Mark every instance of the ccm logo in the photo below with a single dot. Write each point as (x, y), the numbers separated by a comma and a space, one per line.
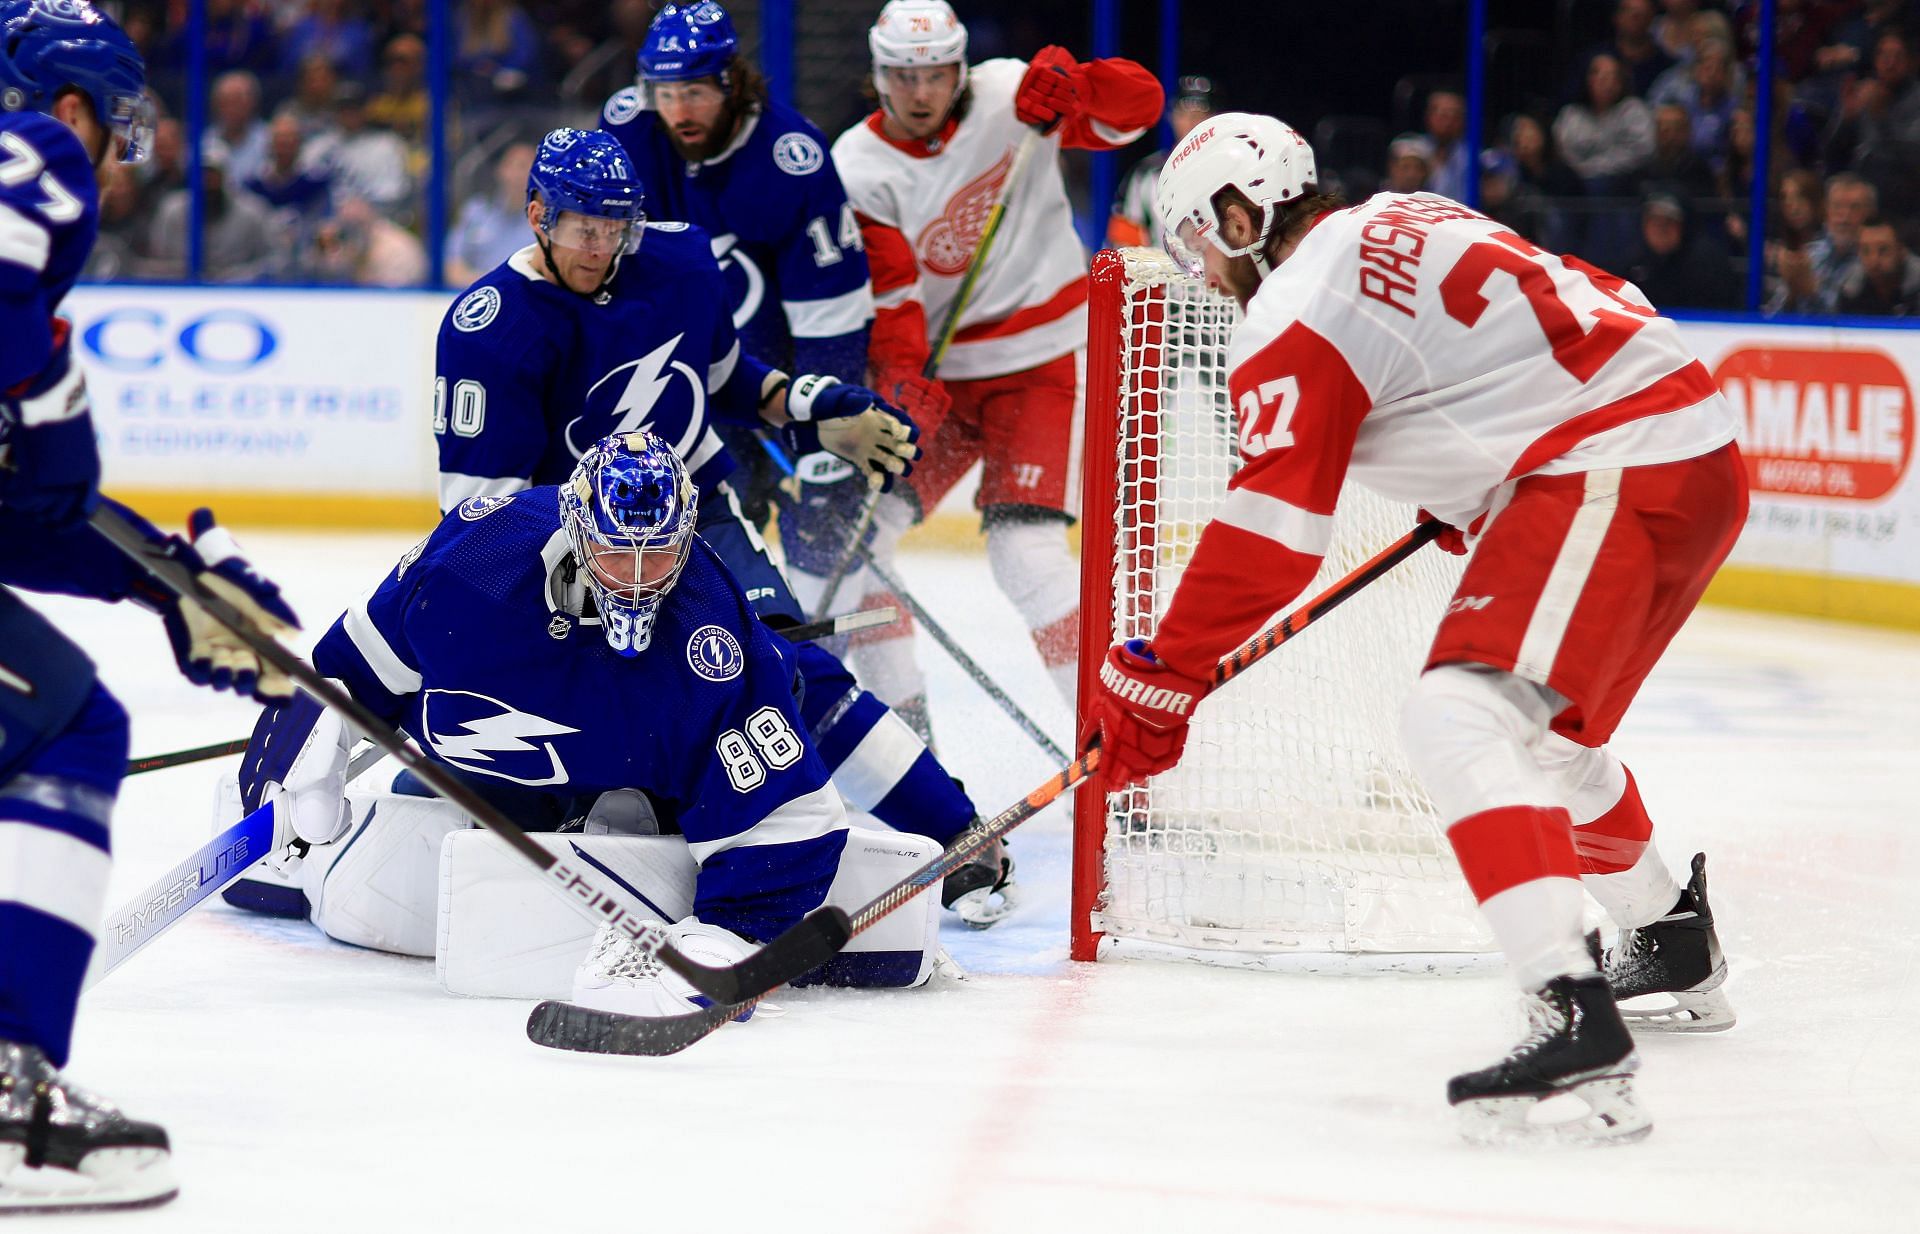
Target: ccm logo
(1160, 698)
(1469, 604)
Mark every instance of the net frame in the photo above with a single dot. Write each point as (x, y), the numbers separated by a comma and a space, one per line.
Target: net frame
(1294, 828)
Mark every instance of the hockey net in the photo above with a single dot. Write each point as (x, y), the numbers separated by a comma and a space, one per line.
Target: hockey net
(1293, 823)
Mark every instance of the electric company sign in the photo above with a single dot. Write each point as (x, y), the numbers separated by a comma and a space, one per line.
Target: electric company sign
(1820, 421)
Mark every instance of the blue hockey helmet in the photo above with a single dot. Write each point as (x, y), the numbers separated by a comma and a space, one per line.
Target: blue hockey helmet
(687, 42)
(47, 46)
(581, 176)
(629, 511)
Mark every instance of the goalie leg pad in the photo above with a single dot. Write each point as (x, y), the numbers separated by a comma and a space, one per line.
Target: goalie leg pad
(378, 885)
(900, 949)
(503, 933)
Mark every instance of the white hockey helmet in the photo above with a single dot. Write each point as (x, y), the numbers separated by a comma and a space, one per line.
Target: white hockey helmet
(1261, 157)
(917, 33)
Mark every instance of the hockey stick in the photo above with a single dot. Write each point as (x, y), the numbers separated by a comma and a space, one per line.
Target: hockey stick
(1029, 140)
(563, 1026)
(209, 869)
(845, 623)
(947, 641)
(771, 966)
(180, 758)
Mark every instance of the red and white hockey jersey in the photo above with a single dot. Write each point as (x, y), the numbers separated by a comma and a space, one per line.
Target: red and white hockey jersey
(1436, 355)
(923, 204)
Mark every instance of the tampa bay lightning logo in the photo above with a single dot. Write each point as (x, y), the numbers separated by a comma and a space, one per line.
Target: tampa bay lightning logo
(491, 738)
(656, 392)
(744, 280)
(476, 309)
(624, 106)
(473, 509)
(797, 154)
(714, 653)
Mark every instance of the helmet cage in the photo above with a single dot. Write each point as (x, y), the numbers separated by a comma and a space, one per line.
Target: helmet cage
(629, 511)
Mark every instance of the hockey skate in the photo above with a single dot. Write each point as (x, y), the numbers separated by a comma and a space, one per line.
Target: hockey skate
(1569, 1082)
(64, 1150)
(1676, 965)
(981, 892)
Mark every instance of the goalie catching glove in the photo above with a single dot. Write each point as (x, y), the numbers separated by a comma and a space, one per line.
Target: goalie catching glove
(1140, 715)
(208, 652)
(853, 423)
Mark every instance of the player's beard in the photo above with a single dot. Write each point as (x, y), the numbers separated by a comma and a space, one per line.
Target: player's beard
(714, 142)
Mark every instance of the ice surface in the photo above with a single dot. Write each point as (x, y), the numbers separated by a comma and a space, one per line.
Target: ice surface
(310, 1086)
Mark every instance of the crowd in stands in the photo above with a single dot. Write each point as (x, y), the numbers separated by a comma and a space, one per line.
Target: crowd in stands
(1645, 165)
(314, 160)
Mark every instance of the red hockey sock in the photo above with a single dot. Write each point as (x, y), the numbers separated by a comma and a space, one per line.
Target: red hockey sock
(1614, 841)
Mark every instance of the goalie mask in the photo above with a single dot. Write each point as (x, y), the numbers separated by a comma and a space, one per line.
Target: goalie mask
(629, 511)
(1264, 159)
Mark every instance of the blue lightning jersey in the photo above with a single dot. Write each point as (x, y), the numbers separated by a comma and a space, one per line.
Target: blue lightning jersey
(472, 646)
(781, 226)
(529, 374)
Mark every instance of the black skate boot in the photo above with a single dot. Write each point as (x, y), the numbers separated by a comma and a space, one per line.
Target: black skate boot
(981, 892)
(1577, 1047)
(64, 1150)
(1677, 957)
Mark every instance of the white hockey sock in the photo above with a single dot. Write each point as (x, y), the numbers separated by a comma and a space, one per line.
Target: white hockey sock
(1036, 570)
(1537, 925)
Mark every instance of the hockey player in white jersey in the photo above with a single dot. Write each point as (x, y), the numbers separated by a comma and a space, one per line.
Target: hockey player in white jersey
(923, 172)
(1544, 410)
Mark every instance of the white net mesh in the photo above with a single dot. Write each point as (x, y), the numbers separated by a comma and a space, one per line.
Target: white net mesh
(1293, 823)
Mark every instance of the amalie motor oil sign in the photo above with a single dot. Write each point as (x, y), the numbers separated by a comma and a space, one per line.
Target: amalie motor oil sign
(1819, 421)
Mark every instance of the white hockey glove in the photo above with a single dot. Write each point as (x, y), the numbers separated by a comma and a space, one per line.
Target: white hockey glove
(298, 757)
(853, 423)
(616, 976)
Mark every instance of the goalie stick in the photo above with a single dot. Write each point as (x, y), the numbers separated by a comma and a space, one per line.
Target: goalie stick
(563, 1026)
(771, 966)
(845, 623)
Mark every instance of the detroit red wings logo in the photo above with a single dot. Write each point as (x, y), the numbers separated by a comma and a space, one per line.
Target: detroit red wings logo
(947, 245)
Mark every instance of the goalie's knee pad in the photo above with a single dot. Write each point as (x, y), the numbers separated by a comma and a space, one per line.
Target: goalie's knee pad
(1471, 733)
(378, 886)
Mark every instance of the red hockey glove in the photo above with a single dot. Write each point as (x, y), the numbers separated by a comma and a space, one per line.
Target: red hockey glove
(924, 399)
(1452, 540)
(1140, 714)
(1049, 96)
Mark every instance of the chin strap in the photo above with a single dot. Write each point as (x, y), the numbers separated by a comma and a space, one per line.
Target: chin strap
(600, 294)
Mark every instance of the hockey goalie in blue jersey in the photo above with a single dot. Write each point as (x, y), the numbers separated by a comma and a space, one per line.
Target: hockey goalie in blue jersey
(758, 177)
(564, 645)
(607, 323)
(72, 104)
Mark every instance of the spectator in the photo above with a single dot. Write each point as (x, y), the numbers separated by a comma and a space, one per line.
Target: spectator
(401, 102)
(1878, 132)
(115, 250)
(1505, 199)
(1606, 135)
(164, 172)
(237, 242)
(1886, 283)
(1800, 209)
(238, 36)
(492, 226)
(1704, 27)
(1409, 164)
(1673, 30)
(495, 52)
(359, 247)
(292, 182)
(1706, 95)
(1634, 46)
(344, 40)
(1678, 265)
(235, 103)
(1811, 277)
(609, 67)
(1675, 162)
(1133, 219)
(1851, 50)
(312, 103)
(367, 162)
(1544, 179)
(1446, 127)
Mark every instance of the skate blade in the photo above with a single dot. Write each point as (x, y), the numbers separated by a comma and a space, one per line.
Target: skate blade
(107, 1178)
(1703, 1009)
(1600, 1111)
